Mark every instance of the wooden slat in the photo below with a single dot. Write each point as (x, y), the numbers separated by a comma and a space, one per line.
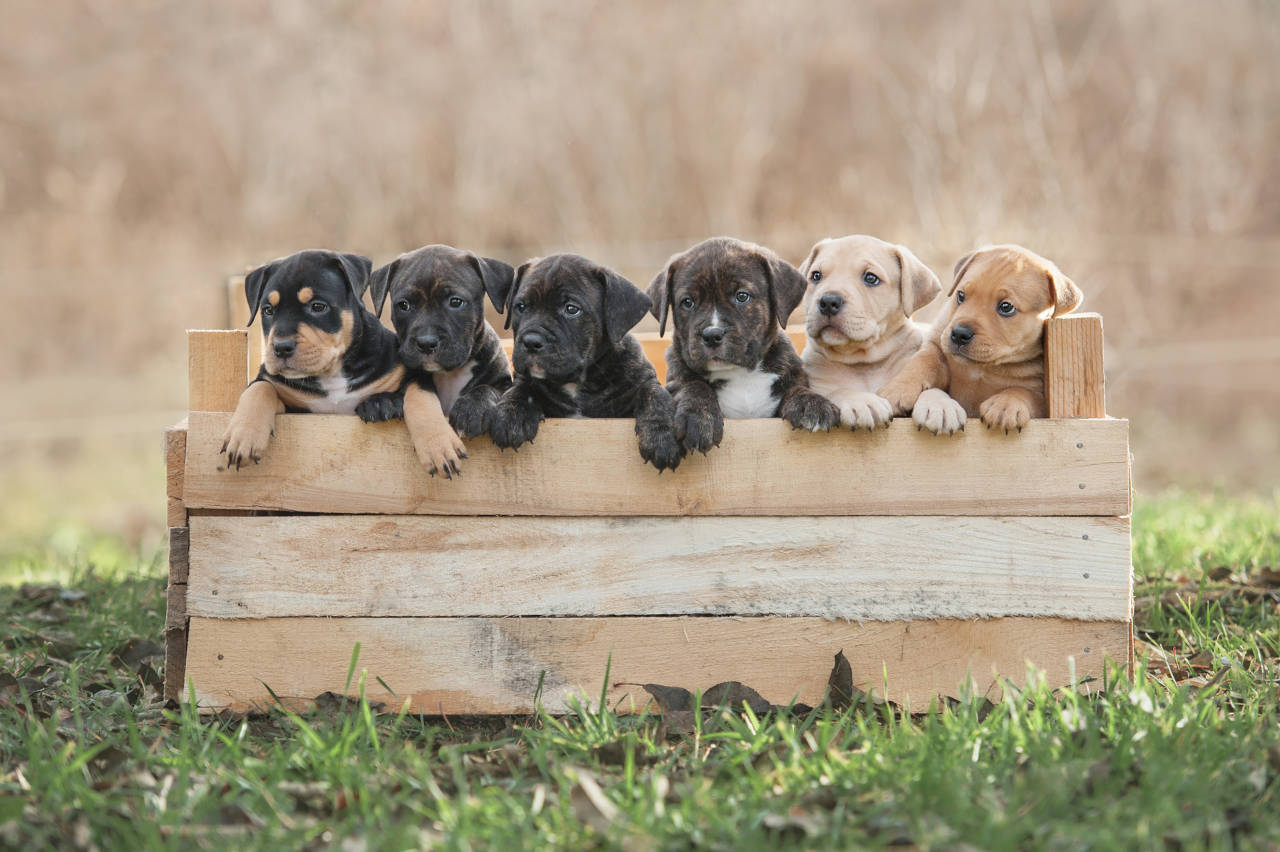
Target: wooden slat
(238, 318)
(175, 457)
(336, 464)
(490, 665)
(175, 616)
(217, 369)
(1074, 372)
(179, 554)
(175, 512)
(175, 663)
(864, 569)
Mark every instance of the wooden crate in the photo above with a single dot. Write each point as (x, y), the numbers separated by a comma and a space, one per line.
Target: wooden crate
(934, 563)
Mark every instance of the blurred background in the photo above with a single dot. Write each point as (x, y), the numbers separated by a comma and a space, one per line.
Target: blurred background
(148, 150)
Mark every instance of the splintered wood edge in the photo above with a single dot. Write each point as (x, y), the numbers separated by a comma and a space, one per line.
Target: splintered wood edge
(497, 665)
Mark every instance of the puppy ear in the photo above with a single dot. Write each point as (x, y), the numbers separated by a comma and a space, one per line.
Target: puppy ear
(509, 299)
(961, 265)
(918, 286)
(497, 278)
(659, 293)
(356, 268)
(625, 304)
(1064, 292)
(380, 284)
(255, 284)
(808, 261)
(786, 286)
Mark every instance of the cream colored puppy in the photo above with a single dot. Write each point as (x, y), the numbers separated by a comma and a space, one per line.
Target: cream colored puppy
(858, 304)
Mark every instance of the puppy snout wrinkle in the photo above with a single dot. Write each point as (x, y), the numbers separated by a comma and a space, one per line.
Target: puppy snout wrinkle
(713, 335)
(830, 304)
(284, 348)
(532, 341)
(961, 335)
(426, 343)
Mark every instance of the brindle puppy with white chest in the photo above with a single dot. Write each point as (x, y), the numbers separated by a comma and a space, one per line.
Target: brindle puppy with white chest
(323, 351)
(575, 358)
(728, 358)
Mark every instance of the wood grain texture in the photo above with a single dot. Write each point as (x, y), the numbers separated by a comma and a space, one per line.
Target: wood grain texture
(175, 612)
(175, 663)
(336, 464)
(1074, 373)
(493, 665)
(175, 457)
(238, 318)
(179, 554)
(864, 569)
(217, 369)
(175, 512)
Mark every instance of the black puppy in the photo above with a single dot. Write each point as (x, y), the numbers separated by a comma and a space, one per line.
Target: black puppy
(574, 357)
(323, 351)
(448, 348)
(729, 299)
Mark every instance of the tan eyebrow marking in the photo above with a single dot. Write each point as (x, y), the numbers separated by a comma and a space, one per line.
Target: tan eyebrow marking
(273, 298)
(305, 295)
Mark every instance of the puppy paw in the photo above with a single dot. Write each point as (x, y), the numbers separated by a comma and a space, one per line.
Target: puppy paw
(246, 441)
(866, 411)
(381, 407)
(938, 412)
(1004, 411)
(659, 445)
(514, 425)
(472, 415)
(902, 395)
(808, 410)
(441, 452)
(698, 430)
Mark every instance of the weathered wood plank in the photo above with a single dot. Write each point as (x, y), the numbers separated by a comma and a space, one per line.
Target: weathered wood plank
(175, 614)
(1074, 374)
(179, 554)
(175, 512)
(217, 369)
(175, 663)
(175, 457)
(336, 464)
(493, 665)
(864, 569)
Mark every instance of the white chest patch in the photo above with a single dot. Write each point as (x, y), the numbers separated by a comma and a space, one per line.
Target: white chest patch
(337, 399)
(449, 384)
(745, 393)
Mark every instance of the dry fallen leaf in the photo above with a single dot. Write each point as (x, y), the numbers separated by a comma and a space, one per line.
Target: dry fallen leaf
(591, 805)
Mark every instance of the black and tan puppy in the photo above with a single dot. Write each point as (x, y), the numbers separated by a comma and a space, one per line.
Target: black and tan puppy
(323, 352)
(575, 358)
(456, 368)
(729, 300)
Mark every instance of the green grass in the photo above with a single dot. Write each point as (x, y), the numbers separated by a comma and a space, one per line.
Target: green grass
(1186, 755)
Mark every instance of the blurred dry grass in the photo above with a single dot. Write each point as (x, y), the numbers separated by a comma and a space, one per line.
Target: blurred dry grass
(149, 148)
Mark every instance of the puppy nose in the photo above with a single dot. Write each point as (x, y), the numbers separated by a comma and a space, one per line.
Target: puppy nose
(830, 304)
(961, 334)
(284, 348)
(533, 341)
(426, 343)
(713, 335)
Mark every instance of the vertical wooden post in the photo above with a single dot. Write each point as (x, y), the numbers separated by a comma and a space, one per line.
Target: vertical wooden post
(1073, 375)
(238, 317)
(217, 369)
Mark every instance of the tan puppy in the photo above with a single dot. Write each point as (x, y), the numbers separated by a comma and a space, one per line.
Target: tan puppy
(985, 356)
(857, 308)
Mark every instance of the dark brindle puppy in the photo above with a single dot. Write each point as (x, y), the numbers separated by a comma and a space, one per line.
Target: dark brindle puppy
(323, 351)
(574, 357)
(456, 366)
(727, 358)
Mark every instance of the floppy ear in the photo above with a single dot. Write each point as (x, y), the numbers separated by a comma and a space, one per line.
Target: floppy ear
(255, 284)
(808, 261)
(961, 265)
(625, 304)
(918, 285)
(509, 299)
(496, 277)
(660, 293)
(380, 284)
(786, 286)
(1064, 292)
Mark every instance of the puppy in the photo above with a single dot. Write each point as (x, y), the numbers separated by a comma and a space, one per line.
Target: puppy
(456, 368)
(857, 308)
(985, 355)
(574, 357)
(727, 358)
(323, 351)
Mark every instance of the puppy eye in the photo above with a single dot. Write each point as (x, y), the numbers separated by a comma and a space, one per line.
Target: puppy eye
(456, 301)
(686, 303)
(519, 307)
(1006, 309)
(870, 279)
(815, 276)
(571, 310)
(742, 297)
(402, 305)
(268, 311)
(318, 307)
(959, 297)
